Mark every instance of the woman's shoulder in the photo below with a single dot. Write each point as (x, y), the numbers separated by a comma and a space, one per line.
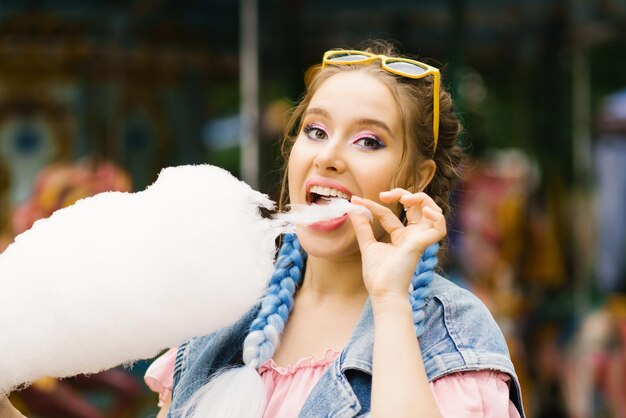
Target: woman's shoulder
(459, 304)
(441, 285)
(461, 332)
(461, 335)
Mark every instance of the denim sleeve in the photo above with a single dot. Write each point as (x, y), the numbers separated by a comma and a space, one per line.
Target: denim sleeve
(461, 334)
(180, 363)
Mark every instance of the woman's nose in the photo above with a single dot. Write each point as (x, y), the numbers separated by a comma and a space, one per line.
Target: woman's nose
(330, 157)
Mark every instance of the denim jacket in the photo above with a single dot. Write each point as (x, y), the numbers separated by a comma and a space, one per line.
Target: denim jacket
(460, 335)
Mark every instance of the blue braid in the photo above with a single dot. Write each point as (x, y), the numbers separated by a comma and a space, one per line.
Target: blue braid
(276, 303)
(422, 277)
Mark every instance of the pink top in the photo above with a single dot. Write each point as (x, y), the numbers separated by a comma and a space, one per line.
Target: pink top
(160, 375)
(469, 394)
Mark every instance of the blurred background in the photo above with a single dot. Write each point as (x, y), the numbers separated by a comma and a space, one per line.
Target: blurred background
(101, 95)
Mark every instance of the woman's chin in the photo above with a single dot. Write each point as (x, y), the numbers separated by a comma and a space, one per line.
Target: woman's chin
(325, 240)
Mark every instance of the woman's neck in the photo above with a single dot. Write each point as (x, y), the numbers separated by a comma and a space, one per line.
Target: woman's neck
(333, 279)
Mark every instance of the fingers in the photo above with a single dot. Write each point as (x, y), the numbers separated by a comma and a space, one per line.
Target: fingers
(437, 218)
(421, 210)
(432, 214)
(393, 195)
(415, 205)
(362, 229)
(431, 227)
(409, 200)
(388, 219)
(362, 226)
(421, 199)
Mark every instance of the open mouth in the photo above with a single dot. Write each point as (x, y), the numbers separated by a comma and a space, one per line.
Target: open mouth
(320, 195)
(321, 191)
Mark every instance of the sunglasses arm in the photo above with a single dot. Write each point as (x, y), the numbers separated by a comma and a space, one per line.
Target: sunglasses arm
(436, 85)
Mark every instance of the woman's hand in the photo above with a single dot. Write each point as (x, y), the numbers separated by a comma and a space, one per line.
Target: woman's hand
(7, 410)
(388, 267)
(399, 380)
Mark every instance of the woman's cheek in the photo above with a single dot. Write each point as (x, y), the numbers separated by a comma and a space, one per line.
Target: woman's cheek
(296, 170)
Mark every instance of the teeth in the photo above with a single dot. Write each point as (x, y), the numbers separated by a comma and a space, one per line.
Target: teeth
(327, 191)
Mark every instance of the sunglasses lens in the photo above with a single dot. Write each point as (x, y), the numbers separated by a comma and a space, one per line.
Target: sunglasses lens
(347, 57)
(406, 67)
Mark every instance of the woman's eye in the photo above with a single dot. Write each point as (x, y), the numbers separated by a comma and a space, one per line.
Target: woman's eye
(369, 142)
(314, 132)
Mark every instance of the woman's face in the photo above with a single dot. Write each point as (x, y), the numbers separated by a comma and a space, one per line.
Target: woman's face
(350, 144)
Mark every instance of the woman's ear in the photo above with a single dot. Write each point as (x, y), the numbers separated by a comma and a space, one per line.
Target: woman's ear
(425, 173)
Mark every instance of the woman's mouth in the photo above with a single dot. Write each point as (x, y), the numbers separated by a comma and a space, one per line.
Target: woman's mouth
(320, 192)
(321, 195)
(330, 224)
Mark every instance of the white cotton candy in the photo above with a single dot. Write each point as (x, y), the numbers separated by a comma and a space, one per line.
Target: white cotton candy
(120, 276)
(308, 214)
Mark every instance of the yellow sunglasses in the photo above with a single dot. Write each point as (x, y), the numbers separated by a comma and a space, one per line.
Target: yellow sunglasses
(401, 66)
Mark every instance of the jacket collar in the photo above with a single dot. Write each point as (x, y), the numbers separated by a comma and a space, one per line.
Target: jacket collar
(358, 352)
(335, 395)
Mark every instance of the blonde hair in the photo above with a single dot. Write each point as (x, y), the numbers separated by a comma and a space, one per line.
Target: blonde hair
(223, 394)
(414, 97)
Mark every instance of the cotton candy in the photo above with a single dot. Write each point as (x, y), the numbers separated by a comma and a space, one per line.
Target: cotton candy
(309, 214)
(120, 276)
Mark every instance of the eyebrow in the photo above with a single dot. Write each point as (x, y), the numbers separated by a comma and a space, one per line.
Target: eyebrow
(359, 122)
(316, 111)
(374, 122)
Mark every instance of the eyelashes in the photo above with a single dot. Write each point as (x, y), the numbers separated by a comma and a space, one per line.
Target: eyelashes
(369, 142)
(315, 132)
(365, 141)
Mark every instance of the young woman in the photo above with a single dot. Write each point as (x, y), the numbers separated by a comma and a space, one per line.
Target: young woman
(368, 332)
(354, 321)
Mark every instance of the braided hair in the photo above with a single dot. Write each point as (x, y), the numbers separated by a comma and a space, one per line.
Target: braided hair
(276, 305)
(264, 336)
(221, 396)
(217, 398)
